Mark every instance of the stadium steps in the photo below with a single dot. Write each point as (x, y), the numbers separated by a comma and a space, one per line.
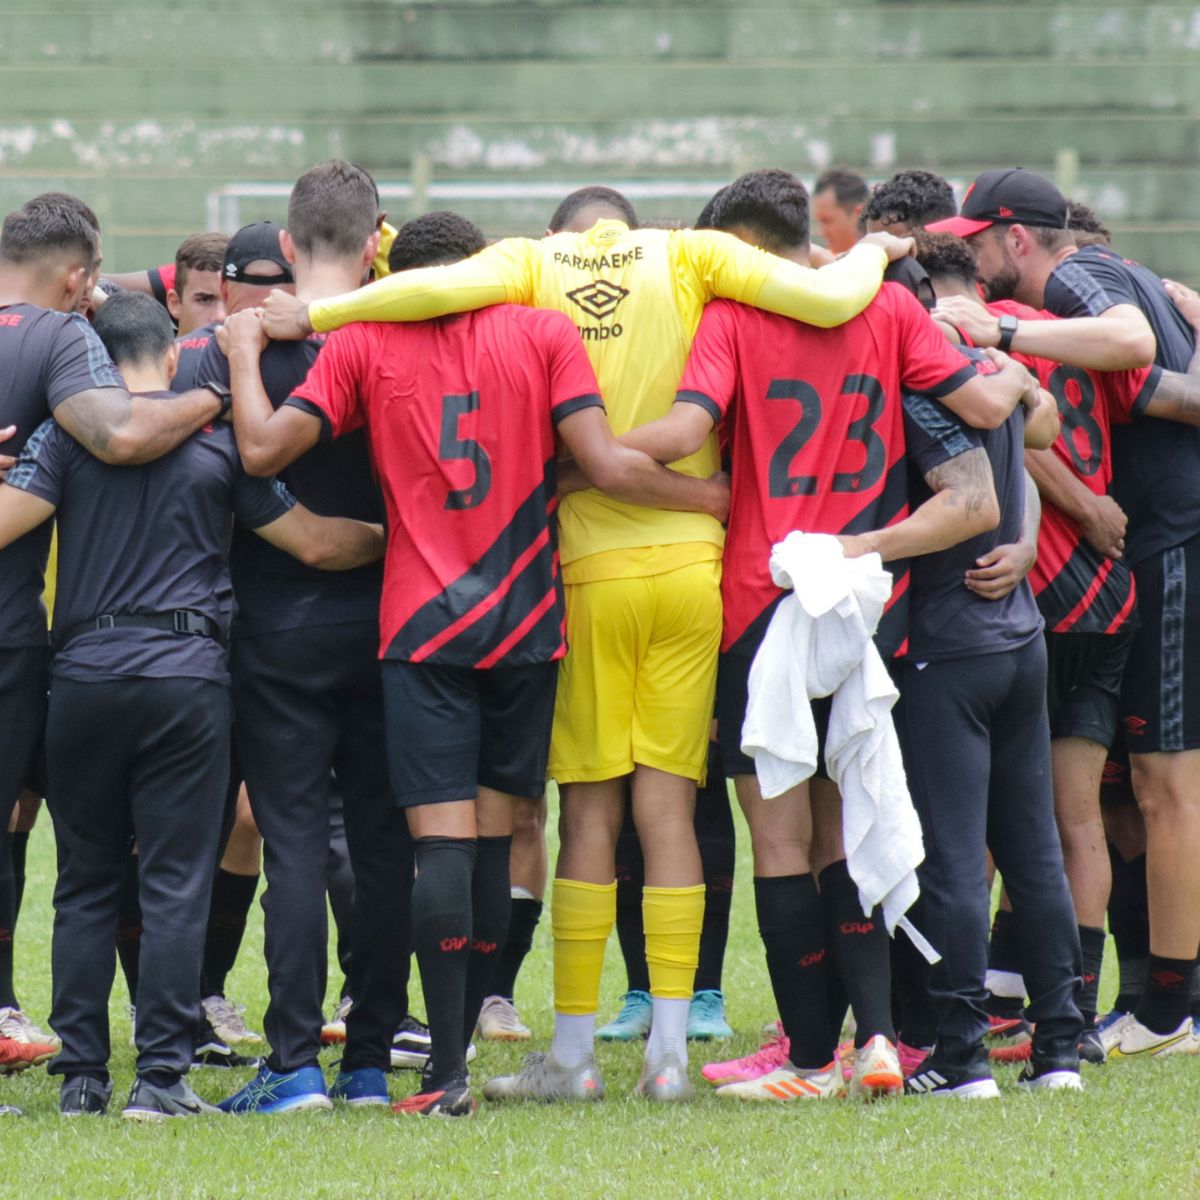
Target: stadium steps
(484, 90)
(137, 34)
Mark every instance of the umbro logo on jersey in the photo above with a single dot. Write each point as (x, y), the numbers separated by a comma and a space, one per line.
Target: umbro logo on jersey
(599, 298)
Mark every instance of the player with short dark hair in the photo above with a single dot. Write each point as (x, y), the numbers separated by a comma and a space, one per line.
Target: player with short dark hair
(838, 199)
(194, 298)
(908, 201)
(437, 238)
(1087, 600)
(1118, 315)
(1088, 229)
(139, 716)
(740, 356)
(569, 211)
(53, 365)
(309, 704)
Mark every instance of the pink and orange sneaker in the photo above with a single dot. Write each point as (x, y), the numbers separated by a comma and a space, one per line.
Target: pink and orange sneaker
(770, 1056)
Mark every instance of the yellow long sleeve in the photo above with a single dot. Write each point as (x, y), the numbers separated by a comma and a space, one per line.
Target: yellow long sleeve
(722, 265)
(498, 275)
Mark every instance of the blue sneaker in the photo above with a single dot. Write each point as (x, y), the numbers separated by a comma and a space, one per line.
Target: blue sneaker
(361, 1088)
(632, 1022)
(706, 1018)
(273, 1092)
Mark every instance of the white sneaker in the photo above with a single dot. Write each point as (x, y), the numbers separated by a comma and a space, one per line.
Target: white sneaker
(789, 1083)
(16, 1026)
(1127, 1037)
(876, 1070)
(498, 1022)
(226, 1020)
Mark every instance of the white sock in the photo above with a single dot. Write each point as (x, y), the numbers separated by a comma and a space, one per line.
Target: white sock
(668, 1030)
(574, 1038)
(520, 893)
(1008, 984)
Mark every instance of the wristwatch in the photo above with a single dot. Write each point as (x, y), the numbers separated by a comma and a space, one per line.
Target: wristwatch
(1008, 330)
(223, 394)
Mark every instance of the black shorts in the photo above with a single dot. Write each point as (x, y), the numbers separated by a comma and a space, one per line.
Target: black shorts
(1115, 786)
(1083, 683)
(1160, 693)
(733, 693)
(451, 730)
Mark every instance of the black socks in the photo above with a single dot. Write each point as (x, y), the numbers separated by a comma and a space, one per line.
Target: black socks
(522, 924)
(442, 931)
(861, 954)
(1091, 942)
(491, 902)
(1168, 993)
(232, 896)
(792, 926)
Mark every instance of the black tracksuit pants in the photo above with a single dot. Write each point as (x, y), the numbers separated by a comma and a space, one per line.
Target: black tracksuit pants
(143, 758)
(976, 747)
(309, 702)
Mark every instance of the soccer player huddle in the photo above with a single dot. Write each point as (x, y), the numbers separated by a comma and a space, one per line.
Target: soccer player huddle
(363, 534)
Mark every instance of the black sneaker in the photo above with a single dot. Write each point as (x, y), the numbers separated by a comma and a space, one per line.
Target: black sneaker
(1091, 1047)
(410, 1045)
(150, 1103)
(939, 1076)
(210, 1051)
(83, 1096)
(452, 1099)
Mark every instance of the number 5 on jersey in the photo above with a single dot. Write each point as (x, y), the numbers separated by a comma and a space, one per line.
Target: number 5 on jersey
(452, 447)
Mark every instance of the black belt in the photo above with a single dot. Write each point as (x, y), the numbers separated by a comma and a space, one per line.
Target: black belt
(182, 621)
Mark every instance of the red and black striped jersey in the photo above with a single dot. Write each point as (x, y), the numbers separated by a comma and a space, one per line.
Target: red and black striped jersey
(1077, 588)
(460, 413)
(816, 431)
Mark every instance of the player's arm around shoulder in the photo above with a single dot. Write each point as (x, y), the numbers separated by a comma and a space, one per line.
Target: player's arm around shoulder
(268, 439)
(31, 489)
(326, 543)
(634, 477)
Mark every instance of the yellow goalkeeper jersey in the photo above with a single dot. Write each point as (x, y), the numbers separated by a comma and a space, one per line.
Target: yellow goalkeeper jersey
(636, 297)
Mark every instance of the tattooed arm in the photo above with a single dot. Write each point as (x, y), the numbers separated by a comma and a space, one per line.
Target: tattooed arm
(997, 572)
(963, 505)
(125, 429)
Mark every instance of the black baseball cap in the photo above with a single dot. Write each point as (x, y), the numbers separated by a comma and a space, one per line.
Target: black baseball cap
(256, 243)
(1008, 196)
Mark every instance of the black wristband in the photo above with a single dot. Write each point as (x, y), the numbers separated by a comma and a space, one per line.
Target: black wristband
(223, 394)
(1008, 330)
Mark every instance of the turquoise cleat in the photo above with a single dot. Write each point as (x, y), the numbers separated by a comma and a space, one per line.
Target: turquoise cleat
(632, 1022)
(706, 1018)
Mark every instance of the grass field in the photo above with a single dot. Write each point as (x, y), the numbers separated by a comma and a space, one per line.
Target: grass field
(1132, 1133)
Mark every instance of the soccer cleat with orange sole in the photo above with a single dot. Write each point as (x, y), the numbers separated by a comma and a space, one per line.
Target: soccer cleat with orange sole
(876, 1070)
(788, 1083)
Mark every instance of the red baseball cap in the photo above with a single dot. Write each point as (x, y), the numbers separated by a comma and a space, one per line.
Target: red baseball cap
(1007, 196)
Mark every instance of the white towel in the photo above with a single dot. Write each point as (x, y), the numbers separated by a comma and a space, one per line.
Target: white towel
(818, 643)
